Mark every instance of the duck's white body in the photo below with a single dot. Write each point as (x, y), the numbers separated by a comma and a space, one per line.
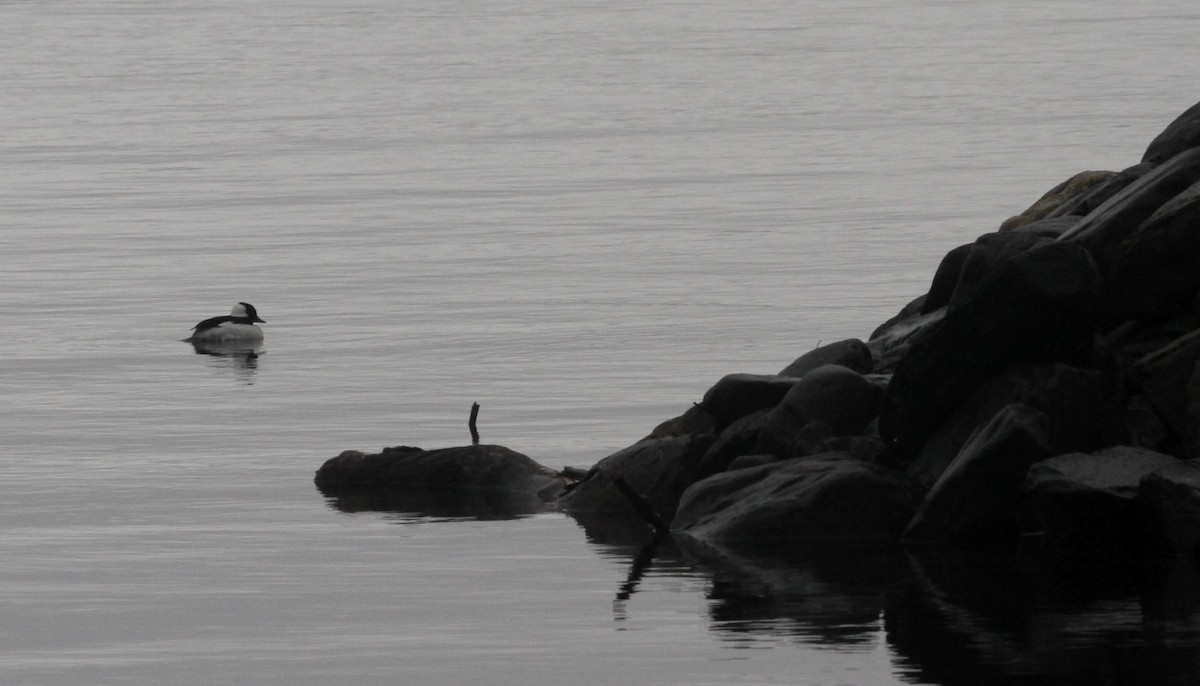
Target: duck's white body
(238, 325)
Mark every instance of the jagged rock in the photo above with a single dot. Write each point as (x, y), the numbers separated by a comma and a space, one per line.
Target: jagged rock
(656, 469)
(974, 501)
(1086, 502)
(892, 340)
(1084, 204)
(1065, 192)
(1164, 376)
(1103, 231)
(739, 438)
(1155, 272)
(1171, 499)
(1142, 427)
(837, 397)
(1077, 401)
(737, 395)
(476, 480)
(832, 499)
(851, 353)
(1038, 306)
(1180, 134)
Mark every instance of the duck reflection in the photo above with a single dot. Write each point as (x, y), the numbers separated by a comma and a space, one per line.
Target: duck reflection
(240, 356)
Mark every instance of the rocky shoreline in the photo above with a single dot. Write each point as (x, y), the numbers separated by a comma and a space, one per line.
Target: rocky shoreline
(1044, 392)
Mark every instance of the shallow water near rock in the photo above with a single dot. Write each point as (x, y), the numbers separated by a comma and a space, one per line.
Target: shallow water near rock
(578, 215)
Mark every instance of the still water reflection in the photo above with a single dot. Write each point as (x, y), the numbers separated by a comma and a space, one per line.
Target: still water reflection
(946, 618)
(238, 356)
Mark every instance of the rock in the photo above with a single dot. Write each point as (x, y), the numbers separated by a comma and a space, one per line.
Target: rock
(1171, 499)
(1051, 227)
(746, 461)
(478, 480)
(974, 501)
(696, 420)
(850, 353)
(841, 399)
(987, 253)
(1165, 376)
(739, 438)
(1056, 197)
(1086, 203)
(1103, 231)
(737, 395)
(830, 499)
(656, 469)
(1155, 272)
(892, 341)
(1142, 427)
(1180, 134)
(1086, 503)
(1077, 402)
(1038, 306)
(945, 279)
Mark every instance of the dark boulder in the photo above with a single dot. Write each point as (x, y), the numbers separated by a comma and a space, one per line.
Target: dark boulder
(1171, 501)
(987, 253)
(830, 499)
(1104, 230)
(739, 438)
(1155, 273)
(1077, 401)
(851, 353)
(891, 341)
(1038, 306)
(695, 420)
(974, 501)
(1165, 376)
(945, 279)
(1086, 503)
(834, 396)
(1180, 134)
(658, 470)
(737, 395)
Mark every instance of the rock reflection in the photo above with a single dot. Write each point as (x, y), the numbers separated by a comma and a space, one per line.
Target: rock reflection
(986, 619)
(241, 357)
(480, 504)
(949, 618)
(821, 597)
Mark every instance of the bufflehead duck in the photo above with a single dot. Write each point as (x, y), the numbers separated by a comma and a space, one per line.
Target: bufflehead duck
(237, 326)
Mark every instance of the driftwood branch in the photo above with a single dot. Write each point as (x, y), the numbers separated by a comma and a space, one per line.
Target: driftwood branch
(471, 424)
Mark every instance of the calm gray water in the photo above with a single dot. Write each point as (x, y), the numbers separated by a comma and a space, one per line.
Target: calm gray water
(578, 214)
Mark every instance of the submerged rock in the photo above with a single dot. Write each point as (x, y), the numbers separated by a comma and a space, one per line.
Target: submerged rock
(473, 467)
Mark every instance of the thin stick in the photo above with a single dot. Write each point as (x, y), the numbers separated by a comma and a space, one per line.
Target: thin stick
(644, 509)
(471, 424)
